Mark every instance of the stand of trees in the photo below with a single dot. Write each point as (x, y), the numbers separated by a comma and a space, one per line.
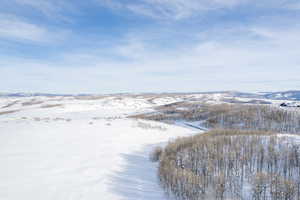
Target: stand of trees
(231, 164)
(231, 116)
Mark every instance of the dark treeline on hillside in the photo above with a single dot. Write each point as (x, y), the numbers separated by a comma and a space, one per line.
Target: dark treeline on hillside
(231, 116)
(231, 164)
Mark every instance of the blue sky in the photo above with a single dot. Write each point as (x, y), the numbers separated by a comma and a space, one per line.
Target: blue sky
(111, 46)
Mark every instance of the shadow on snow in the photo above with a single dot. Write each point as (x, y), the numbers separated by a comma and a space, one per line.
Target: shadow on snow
(139, 178)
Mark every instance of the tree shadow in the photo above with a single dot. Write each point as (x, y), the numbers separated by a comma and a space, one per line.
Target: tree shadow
(139, 178)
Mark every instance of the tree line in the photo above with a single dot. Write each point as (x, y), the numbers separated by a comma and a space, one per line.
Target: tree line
(231, 164)
(230, 116)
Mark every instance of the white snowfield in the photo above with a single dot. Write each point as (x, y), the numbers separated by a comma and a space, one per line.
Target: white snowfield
(64, 148)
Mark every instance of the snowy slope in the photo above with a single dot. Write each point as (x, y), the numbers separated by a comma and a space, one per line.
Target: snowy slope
(64, 148)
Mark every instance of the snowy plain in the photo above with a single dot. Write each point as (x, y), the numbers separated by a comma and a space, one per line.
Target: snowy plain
(86, 148)
(65, 148)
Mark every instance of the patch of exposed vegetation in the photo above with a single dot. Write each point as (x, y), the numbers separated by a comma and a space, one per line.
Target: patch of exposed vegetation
(10, 104)
(231, 164)
(8, 112)
(51, 105)
(31, 103)
(89, 97)
(144, 125)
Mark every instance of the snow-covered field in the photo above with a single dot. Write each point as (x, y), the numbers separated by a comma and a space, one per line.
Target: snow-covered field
(65, 148)
(71, 148)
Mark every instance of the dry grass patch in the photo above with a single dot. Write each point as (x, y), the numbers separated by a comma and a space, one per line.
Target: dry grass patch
(10, 104)
(8, 112)
(51, 105)
(149, 126)
(31, 103)
(89, 97)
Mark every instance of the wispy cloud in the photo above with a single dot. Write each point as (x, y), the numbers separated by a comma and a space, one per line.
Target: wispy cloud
(170, 9)
(14, 28)
(131, 50)
(182, 9)
(49, 8)
(210, 64)
(293, 6)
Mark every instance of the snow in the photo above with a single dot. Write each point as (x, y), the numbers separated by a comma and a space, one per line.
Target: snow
(138, 179)
(295, 139)
(84, 149)
(195, 125)
(68, 148)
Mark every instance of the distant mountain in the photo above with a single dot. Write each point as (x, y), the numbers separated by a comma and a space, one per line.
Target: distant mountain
(15, 95)
(286, 95)
(293, 95)
(37, 94)
(244, 94)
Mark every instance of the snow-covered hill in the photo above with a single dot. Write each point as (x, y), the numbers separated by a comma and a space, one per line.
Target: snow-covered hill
(67, 148)
(287, 95)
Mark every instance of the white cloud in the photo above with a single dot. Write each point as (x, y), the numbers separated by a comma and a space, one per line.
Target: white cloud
(166, 58)
(50, 8)
(168, 9)
(293, 6)
(14, 28)
(182, 9)
(171, 9)
(270, 63)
